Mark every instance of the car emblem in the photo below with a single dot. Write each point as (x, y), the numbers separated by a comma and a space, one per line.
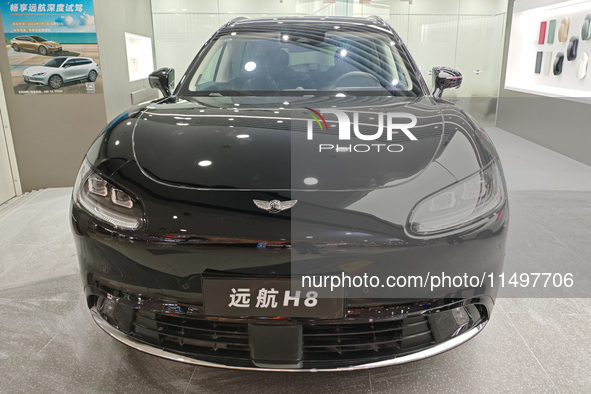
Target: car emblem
(275, 206)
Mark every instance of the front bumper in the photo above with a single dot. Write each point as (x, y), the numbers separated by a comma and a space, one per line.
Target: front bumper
(35, 80)
(365, 338)
(162, 352)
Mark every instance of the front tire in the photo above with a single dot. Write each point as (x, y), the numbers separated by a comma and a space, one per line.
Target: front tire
(55, 82)
(42, 50)
(15, 47)
(92, 75)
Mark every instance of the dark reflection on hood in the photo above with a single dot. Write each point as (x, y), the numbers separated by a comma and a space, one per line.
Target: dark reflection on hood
(260, 143)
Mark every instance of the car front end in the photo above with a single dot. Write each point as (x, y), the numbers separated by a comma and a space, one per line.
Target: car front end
(53, 46)
(36, 75)
(213, 228)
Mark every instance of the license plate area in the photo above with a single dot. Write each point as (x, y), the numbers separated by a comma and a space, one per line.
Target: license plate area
(267, 297)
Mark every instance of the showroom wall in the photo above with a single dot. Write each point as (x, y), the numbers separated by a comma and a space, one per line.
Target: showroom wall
(132, 16)
(437, 32)
(51, 134)
(561, 124)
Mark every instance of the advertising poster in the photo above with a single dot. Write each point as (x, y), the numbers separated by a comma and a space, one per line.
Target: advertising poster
(52, 47)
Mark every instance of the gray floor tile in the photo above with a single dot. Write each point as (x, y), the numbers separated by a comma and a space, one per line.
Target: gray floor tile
(496, 360)
(561, 345)
(550, 306)
(549, 232)
(49, 340)
(207, 380)
(529, 166)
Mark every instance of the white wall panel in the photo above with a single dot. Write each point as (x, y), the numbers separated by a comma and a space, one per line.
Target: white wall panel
(483, 7)
(314, 7)
(435, 7)
(394, 6)
(484, 55)
(178, 37)
(432, 40)
(400, 24)
(181, 6)
(257, 7)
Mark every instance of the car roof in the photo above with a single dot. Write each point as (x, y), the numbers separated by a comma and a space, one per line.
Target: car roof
(374, 22)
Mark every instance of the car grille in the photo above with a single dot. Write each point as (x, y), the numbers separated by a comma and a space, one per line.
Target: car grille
(326, 344)
(343, 344)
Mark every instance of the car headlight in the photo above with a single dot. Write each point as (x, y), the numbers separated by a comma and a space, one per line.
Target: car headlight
(105, 201)
(39, 74)
(51, 46)
(464, 203)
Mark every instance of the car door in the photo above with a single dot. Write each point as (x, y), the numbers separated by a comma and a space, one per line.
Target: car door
(84, 68)
(34, 44)
(28, 44)
(69, 70)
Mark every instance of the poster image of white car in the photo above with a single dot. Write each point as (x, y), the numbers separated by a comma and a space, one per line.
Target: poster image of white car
(62, 69)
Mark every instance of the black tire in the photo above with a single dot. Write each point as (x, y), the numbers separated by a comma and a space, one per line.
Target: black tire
(92, 75)
(55, 82)
(42, 50)
(15, 47)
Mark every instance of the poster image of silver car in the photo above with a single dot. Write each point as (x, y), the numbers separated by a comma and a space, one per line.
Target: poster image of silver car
(62, 69)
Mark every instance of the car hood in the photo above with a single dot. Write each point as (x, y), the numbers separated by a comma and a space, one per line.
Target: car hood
(285, 143)
(37, 69)
(53, 43)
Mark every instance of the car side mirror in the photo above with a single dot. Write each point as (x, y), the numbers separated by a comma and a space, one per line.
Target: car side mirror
(445, 78)
(163, 80)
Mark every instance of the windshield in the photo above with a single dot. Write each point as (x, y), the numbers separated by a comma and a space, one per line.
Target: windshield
(38, 39)
(315, 61)
(55, 62)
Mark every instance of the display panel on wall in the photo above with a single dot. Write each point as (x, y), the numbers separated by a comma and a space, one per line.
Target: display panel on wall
(549, 49)
(52, 47)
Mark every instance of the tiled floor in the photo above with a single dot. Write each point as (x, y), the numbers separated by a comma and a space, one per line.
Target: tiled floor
(48, 341)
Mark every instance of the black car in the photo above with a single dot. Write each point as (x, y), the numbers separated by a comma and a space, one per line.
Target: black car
(300, 201)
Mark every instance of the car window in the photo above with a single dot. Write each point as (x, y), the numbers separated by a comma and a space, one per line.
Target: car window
(55, 62)
(210, 72)
(74, 62)
(312, 61)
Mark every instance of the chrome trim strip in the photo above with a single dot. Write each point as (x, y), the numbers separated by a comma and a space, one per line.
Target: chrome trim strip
(155, 351)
